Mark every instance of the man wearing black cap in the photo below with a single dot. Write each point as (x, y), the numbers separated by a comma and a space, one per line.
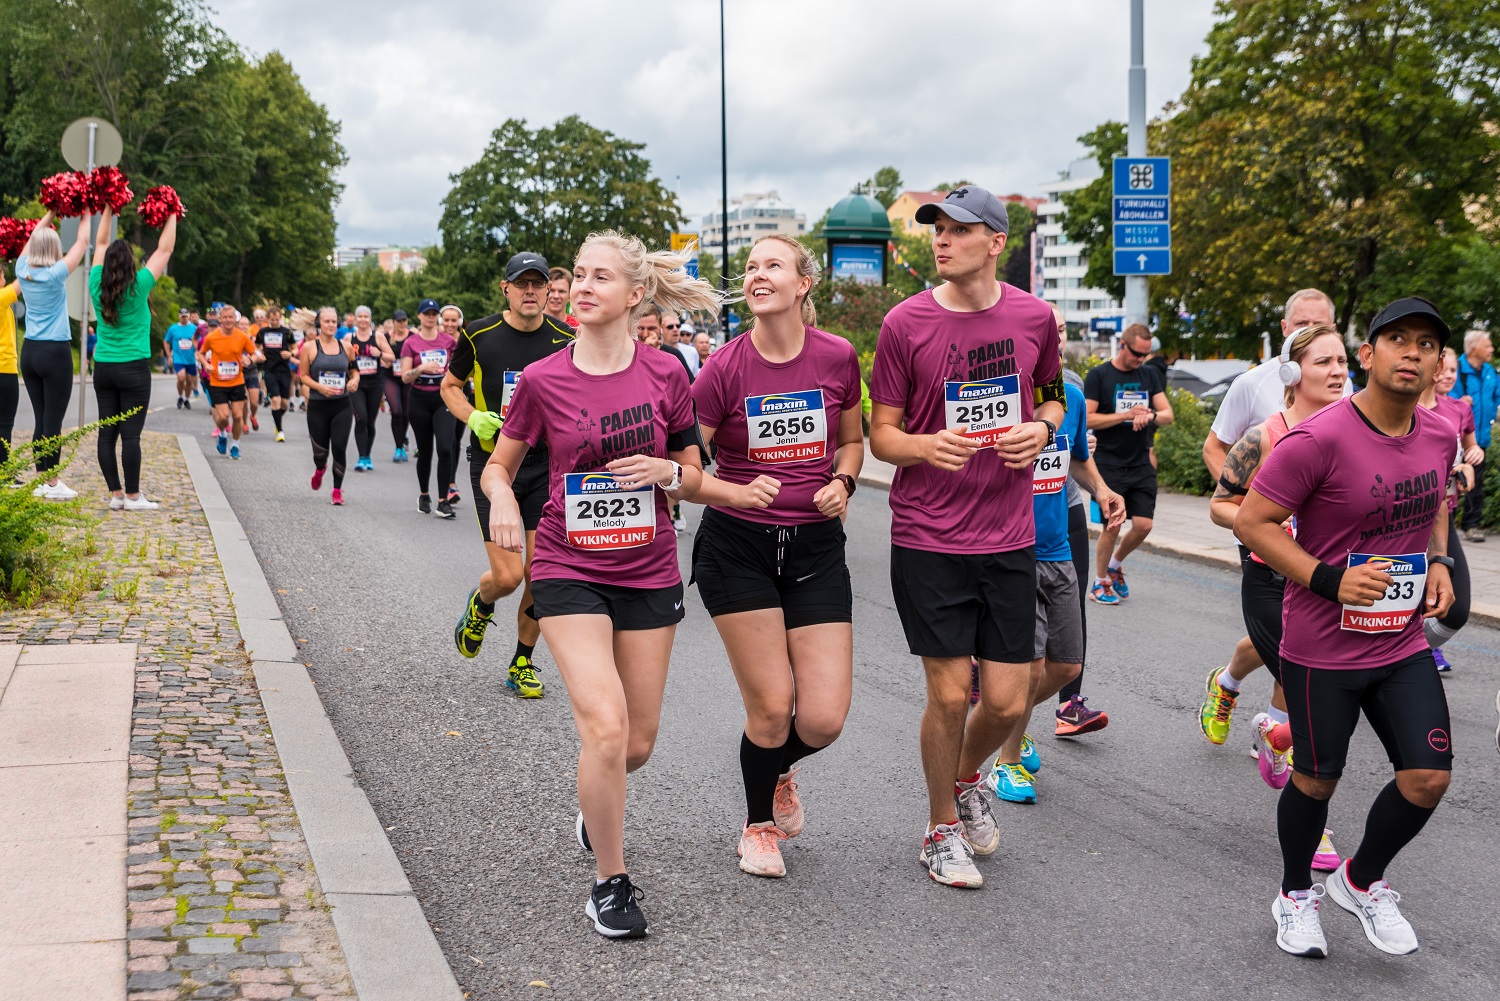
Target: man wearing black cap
(493, 352)
(967, 391)
(1365, 479)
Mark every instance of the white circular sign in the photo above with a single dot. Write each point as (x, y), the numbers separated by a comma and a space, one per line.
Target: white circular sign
(107, 144)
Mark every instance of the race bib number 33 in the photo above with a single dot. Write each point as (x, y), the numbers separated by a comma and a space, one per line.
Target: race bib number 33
(786, 427)
(1049, 471)
(603, 515)
(1392, 612)
(988, 408)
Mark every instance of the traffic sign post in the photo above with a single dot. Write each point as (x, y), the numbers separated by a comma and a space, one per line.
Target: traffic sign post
(88, 143)
(1142, 215)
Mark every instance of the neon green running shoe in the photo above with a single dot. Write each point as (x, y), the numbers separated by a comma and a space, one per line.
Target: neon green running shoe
(468, 635)
(522, 679)
(1218, 704)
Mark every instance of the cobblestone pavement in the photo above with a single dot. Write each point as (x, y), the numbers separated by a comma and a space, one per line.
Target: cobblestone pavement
(223, 899)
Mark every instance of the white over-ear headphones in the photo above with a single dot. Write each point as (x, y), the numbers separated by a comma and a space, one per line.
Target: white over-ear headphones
(1290, 371)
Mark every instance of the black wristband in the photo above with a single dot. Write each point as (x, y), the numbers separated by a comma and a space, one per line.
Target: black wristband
(1326, 579)
(1233, 488)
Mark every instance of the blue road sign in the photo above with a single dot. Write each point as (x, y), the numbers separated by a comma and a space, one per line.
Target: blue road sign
(1143, 175)
(691, 267)
(734, 322)
(1143, 208)
(1113, 324)
(1142, 235)
(1134, 263)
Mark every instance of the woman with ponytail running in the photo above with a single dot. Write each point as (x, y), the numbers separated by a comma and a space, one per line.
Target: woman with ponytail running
(618, 425)
(331, 379)
(783, 404)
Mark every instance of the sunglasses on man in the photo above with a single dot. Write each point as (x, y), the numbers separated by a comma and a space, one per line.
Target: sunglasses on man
(1138, 354)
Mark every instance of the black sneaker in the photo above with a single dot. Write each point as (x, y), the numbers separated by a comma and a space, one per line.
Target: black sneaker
(424, 504)
(179, 403)
(583, 834)
(613, 908)
(445, 509)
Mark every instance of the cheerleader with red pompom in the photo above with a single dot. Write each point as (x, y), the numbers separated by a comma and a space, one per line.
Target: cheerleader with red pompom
(160, 204)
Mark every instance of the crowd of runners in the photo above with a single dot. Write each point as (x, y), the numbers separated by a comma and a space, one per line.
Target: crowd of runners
(592, 412)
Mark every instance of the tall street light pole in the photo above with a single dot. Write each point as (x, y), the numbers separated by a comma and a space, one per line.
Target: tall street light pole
(723, 175)
(1137, 298)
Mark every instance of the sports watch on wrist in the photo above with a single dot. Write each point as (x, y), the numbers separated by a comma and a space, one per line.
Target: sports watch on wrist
(1446, 561)
(848, 482)
(1051, 431)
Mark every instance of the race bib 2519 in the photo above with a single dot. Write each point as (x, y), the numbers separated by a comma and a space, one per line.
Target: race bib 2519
(786, 427)
(988, 407)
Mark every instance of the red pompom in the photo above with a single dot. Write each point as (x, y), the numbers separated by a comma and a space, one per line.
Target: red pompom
(110, 187)
(14, 234)
(158, 204)
(67, 195)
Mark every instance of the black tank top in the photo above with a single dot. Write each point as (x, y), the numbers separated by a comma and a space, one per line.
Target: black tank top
(331, 370)
(396, 352)
(366, 357)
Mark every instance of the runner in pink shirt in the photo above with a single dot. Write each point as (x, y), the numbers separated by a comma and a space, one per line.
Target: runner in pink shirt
(783, 403)
(1365, 479)
(618, 425)
(967, 390)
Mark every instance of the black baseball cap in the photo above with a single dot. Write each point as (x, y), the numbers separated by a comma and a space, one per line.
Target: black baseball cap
(1401, 309)
(428, 306)
(970, 203)
(399, 314)
(523, 262)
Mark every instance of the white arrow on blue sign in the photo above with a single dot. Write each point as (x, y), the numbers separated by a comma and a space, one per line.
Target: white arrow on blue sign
(1143, 262)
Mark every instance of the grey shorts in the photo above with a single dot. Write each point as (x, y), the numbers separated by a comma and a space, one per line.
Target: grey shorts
(1059, 614)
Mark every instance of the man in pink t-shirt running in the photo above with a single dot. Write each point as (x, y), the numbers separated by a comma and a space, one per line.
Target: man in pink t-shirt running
(1365, 479)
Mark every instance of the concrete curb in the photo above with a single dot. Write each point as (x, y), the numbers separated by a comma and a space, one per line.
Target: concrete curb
(388, 944)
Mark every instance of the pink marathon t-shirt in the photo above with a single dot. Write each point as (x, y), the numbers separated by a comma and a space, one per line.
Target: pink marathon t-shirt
(1359, 493)
(589, 529)
(419, 349)
(980, 369)
(779, 419)
(1461, 416)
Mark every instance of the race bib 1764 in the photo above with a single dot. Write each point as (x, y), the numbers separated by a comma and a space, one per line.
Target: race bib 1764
(786, 427)
(603, 515)
(988, 408)
(1394, 610)
(1049, 470)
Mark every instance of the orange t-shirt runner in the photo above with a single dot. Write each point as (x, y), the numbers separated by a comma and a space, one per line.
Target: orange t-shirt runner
(225, 353)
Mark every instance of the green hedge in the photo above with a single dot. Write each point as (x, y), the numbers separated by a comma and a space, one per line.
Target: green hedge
(1179, 446)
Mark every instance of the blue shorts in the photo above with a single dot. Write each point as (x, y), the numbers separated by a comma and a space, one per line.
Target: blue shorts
(190, 368)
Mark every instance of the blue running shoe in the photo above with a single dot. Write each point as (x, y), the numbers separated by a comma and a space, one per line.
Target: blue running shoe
(1117, 581)
(223, 444)
(1103, 593)
(234, 451)
(1031, 759)
(1442, 662)
(1012, 783)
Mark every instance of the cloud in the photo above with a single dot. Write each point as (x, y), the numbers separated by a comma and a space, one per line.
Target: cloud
(821, 92)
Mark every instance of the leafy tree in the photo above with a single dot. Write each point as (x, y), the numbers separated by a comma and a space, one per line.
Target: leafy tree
(886, 186)
(545, 191)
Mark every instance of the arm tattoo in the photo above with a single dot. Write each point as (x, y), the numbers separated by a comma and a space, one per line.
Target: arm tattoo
(1243, 460)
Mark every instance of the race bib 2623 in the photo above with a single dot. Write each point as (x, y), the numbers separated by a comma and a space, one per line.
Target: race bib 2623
(603, 515)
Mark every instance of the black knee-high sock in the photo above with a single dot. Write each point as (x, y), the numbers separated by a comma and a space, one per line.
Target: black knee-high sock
(276, 416)
(1300, 820)
(760, 767)
(795, 749)
(1393, 822)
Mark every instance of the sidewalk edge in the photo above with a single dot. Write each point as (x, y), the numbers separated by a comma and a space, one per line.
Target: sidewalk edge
(391, 951)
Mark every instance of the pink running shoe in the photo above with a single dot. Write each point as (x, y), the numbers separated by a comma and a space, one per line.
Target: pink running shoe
(1326, 860)
(338, 497)
(1275, 766)
(786, 807)
(317, 479)
(760, 850)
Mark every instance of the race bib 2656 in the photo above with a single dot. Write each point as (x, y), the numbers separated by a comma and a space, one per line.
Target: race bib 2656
(786, 427)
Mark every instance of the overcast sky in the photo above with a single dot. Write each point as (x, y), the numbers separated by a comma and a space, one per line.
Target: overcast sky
(821, 92)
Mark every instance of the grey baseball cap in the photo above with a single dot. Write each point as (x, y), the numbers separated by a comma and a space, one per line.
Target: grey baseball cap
(970, 203)
(524, 262)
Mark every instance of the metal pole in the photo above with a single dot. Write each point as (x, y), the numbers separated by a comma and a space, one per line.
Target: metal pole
(723, 174)
(88, 265)
(1137, 292)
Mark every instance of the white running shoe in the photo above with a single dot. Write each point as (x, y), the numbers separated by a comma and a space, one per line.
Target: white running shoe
(60, 492)
(978, 820)
(140, 503)
(1299, 930)
(1376, 909)
(948, 857)
(41, 488)
(116, 503)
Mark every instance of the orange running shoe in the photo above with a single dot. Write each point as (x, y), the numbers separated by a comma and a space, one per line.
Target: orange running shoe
(786, 807)
(760, 850)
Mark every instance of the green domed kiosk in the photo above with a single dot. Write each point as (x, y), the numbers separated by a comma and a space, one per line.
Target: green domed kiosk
(857, 232)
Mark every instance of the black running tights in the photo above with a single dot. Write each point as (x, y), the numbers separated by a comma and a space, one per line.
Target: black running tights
(433, 431)
(366, 408)
(10, 399)
(47, 370)
(328, 424)
(121, 386)
(397, 397)
(1078, 542)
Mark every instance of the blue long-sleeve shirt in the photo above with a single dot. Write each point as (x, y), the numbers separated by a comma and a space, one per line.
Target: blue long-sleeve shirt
(1483, 388)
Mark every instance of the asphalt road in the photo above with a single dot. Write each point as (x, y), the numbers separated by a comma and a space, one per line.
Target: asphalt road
(1146, 870)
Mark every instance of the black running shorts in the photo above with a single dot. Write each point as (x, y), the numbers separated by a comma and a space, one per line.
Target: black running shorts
(1261, 591)
(962, 605)
(627, 607)
(530, 487)
(278, 384)
(1404, 703)
(746, 566)
(252, 378)
(1137, 484)
(222, 396)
